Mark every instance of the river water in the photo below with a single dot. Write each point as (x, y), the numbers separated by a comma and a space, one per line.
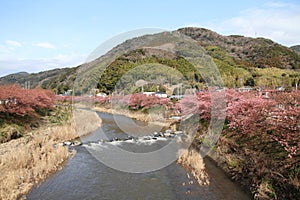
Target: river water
(84, 177)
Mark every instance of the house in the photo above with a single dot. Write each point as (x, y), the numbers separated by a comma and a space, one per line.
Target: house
(101, 95)
(245, 89)
(176, 97)
(149, 93)
(161, 94)
(280, 88)
(68, 93)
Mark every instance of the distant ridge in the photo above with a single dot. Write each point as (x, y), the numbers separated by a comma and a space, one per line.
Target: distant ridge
(296, 48)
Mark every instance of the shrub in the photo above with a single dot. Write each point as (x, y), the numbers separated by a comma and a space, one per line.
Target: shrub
(15, 100)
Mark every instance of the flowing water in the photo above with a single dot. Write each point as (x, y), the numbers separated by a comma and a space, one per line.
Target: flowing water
(84, 177)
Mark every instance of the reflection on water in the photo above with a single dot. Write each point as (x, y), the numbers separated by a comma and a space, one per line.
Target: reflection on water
(84, 177)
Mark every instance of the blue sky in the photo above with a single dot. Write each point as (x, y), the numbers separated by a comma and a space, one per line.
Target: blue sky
(40, 35)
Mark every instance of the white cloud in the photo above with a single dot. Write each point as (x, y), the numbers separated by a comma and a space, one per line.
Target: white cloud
(14, 65)
(46, 45)
(275, 20)
(13, 43)
(278, 4)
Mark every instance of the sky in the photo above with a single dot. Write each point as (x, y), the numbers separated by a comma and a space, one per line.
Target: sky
(42, 35)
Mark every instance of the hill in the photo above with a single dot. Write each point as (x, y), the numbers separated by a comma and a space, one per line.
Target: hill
(296, 48)
(59, 80)
(242, 61)
(254, 52)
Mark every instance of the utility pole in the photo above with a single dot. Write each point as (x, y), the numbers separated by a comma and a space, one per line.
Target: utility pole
(27, 85)
(181, 90)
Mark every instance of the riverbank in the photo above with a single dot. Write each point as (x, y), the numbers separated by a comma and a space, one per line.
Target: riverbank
(85, 122)
(29, 160)
(193, 162)
(137, 115)
(258, 165)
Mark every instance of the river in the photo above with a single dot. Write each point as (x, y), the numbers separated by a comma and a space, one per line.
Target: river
(84, 177)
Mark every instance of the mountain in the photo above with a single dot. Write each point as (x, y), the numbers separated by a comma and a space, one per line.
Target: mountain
(14, 78)
(296, 48)
(240, 60)
(59, 80)
(256, 52)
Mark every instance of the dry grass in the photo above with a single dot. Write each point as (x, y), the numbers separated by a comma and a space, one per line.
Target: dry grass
(295, 181)
(152, 117)
(265, 191)
(192, 161)
(86, 121)
(27, 161)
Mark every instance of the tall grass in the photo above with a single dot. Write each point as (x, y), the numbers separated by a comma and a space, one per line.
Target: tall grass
(192, 161)
(28, 160)
(138, 115)
(85, 121)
